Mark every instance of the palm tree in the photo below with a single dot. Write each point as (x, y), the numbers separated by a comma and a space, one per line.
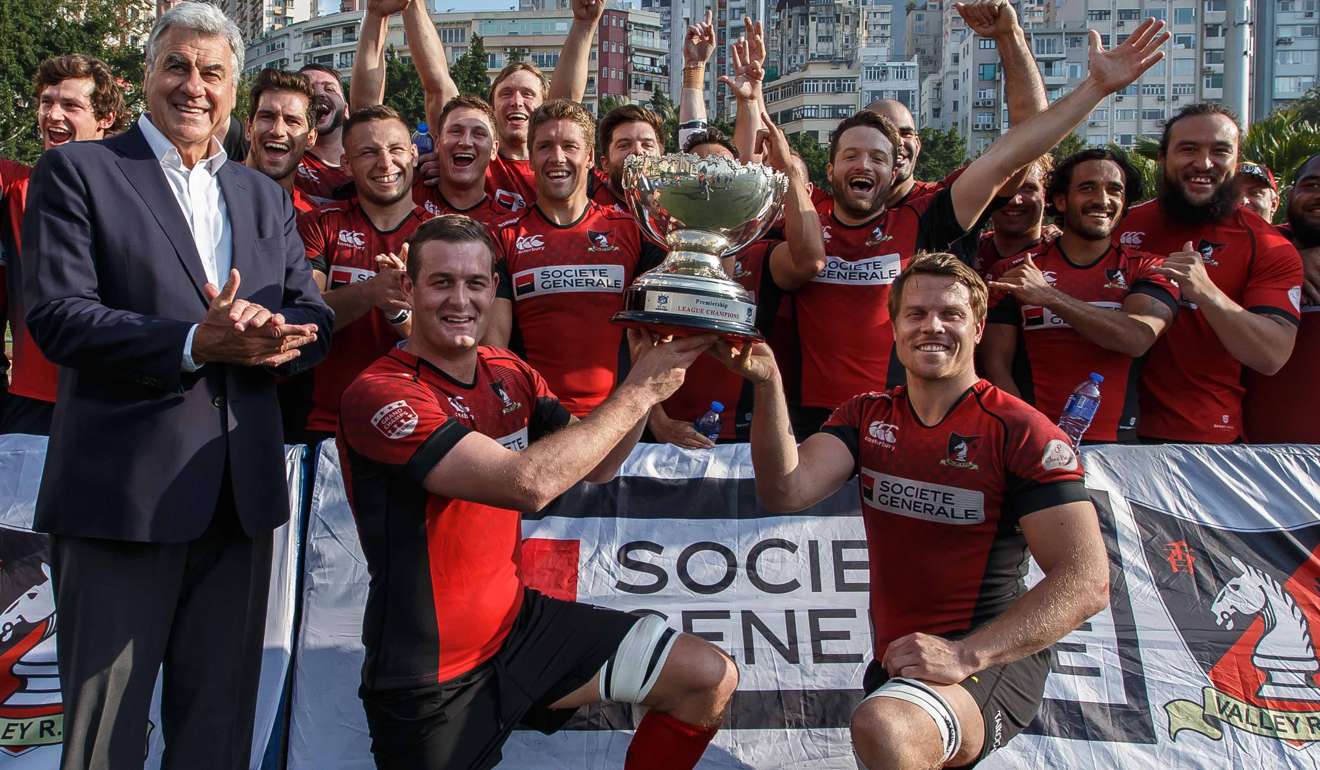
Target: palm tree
(1280, 142)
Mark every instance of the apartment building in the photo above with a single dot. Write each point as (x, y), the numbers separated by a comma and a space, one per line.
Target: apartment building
(815, 98)
(257, 17)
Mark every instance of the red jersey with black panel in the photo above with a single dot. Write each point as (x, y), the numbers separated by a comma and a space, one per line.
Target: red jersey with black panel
(488, 212)
(566, 282)
(341, 242)
(987, 254)
(1057, 356)
(843, 312)
(1191, 387)
(709, 380)
(301, 203)
(32, 375)
(320, 181)
(512, 183)
(598, 189)
(942, 504)
(1282, 409)
(444, 588)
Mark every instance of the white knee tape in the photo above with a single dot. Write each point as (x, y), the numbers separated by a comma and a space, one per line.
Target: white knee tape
(920, 694)
(634, 668)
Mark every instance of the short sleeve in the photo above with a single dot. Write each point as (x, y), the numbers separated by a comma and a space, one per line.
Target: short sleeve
(548, 414)
(651, 254)
(1145, 280)
(939, 227)
(1274, 286)
(845, 424)
(1005, 311)
(397, 422)
(314, 242)
(1043, 469)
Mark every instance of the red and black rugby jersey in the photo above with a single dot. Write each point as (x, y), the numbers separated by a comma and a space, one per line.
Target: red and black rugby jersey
(1191, 387)
(942, 504)
(341, 242)
(32, 374)
(444, 585)
(566, 282)
(320, 181)
(1057, 356)
(512, 183)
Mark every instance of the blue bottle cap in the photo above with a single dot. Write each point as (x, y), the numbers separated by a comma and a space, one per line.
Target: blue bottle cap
(1097, 378)
(716, 407)
(422, 128)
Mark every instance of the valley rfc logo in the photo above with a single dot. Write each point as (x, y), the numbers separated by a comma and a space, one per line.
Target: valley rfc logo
(960, 447)
(878, 236)
(461, 410)
(31, 708)
(509, 404)
(600, 241)
(1115, 279)
(1058, 456)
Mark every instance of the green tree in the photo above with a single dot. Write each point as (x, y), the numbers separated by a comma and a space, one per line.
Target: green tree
(1281, 142)
(469, 72)
(607, 103)
(515, 55)
(1308, 107)
(403, 88)
(814, 154)
(663, 106)
(1071, 145)
(34, 30)
(1142, 158)
(941, 153)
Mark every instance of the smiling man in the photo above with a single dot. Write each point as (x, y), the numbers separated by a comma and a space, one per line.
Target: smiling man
(1079, 303)
(1240, 281)
(465, 136)
(1016, 225)
(959, 482)
(280, 128)
(321, 174)
(161, 545)
(356, 251)
(625, 131)
(77, 99)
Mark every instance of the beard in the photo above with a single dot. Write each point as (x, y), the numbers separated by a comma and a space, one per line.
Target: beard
(1077, 222)
(324, 109)
(1306, 235)
(1179, 208)
(368, 194)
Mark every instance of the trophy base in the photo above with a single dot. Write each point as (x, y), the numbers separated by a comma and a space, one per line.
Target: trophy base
(685, 305)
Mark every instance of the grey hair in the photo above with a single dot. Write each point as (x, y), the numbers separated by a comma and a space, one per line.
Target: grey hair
(199, 17)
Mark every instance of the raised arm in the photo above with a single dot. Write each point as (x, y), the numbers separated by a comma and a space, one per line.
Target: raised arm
(748, 59)
(369, 62)
(1023, 88)
(570, 79)
(1110, 71)
(698, 45)
(802, 255)
(994, 355)
(428, 57)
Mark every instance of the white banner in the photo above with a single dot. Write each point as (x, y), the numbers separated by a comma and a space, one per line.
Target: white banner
(31, 709)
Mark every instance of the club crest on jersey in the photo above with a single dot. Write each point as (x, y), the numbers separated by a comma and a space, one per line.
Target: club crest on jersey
(878, 236)
(1114, 279)
(960, 448)
(31, 709)
(825, 234)
(884, 434)
(395, 420)
(509, 404)
(599, 241)
(739, 271)
(510, 200)
(1132, 238)
(309, 174)
(1207, 249)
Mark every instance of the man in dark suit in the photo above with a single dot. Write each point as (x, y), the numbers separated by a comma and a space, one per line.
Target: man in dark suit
(164, 476)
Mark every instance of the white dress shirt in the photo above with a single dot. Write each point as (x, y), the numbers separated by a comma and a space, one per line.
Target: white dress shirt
(197, 191)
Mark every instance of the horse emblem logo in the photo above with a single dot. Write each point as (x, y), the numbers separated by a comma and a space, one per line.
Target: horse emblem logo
(31, 709)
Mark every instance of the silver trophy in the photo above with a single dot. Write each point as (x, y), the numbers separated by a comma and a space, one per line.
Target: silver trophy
(701, 209)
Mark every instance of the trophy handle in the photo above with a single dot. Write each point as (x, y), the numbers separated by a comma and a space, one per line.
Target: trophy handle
(634, 186)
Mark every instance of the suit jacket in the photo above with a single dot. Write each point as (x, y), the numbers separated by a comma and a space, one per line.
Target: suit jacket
(138, 447)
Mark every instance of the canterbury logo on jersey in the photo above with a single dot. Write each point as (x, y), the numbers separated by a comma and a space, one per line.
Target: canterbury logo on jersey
(516, 441)
(1035, 317)
(352, 238)
(568, 279)
(1132, 238)
(870, 271)
(342, 276)
(922, 499)
(526, 243)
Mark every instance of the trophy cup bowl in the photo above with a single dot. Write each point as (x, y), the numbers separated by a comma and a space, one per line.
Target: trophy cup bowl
(700, 209)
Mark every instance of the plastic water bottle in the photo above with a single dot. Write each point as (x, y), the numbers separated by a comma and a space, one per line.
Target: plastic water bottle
(1079, 410)
(423, 140)
(708, 424)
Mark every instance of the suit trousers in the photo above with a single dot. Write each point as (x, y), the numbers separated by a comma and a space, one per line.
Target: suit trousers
(127, 608)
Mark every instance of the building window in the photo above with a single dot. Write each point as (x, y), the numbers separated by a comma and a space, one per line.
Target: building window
(1213, 80)
(1097, 15)
(1299, 84)
(1100, 116)
(1214, 30)
(1184, 41)
(1184, 89)
(1295, 57)
(1125, 114)
(1214, 56)
(1215, 5)
(1152, 114)
(1184, 67)
(1184, 15)
(1159, 14)
(988, 72)
(985, 43)
(1076, 41)
(346, 60)
(453, 35)
(1129, 14)
(1096, 140)
(1125, 140)
(1152, 89)
(1047, 45)
(1075, 71)
(350, 34)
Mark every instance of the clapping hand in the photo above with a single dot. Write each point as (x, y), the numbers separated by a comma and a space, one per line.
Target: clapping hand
(1116, 68)
(236, 331)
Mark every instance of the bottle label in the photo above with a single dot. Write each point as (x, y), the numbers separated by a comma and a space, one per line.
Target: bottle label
(1081, 408)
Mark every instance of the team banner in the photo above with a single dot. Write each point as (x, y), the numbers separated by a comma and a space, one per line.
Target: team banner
(1204, 657)
(31, 708)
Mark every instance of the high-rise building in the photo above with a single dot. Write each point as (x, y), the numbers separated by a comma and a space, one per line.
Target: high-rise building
(883, 78)
(627, 61)
(815, 98)
(257, 17)
(923, 33)
(1287, 48)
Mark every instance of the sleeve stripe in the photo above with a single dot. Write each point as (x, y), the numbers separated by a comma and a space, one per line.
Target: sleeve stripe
(1157, 293)
(1037, 497)
(1278, 311)
(848, 435)
(434, 449)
